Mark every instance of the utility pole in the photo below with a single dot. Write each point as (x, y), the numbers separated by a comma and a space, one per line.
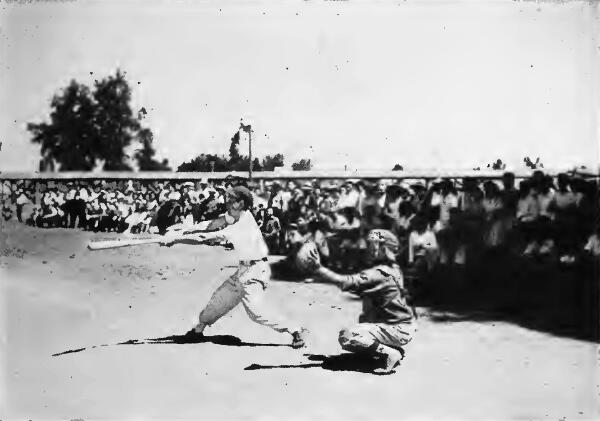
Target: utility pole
(248, 129)
(250, 154)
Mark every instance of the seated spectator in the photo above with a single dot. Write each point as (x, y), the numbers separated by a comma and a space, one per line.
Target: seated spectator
(21, 200)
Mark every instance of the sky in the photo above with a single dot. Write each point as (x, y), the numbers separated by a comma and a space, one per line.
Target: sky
(446, 84)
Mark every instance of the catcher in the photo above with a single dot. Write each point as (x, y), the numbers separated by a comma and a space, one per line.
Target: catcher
(247, 285)
(386, 324)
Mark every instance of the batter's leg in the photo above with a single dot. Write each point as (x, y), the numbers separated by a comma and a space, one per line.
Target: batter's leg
(223, 300)
(253, 300)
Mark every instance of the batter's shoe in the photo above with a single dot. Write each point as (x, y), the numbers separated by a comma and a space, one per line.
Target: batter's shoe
(391, 358)
(299, 338)
(192, 336)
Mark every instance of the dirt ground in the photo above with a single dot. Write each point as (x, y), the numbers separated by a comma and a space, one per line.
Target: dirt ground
(58, 296)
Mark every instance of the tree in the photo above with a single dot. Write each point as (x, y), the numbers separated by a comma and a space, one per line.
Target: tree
(90, 126)
(498, 165)
(70, 138)
(234, 153)
(205, 163)
(145, 156)
(302, 165)
(398, 167)
(533, 165)
(269, 163)
(114, 119)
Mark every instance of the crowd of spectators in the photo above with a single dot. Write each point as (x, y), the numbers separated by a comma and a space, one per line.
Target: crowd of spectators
(440, 222)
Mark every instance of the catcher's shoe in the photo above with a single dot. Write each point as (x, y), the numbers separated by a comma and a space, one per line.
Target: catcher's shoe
(391, 357)
(299, 338)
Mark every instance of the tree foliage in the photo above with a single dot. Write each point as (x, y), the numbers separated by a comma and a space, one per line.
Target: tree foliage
(235, 162)
(398, 167)
(145, 155)
(205, 163)
(533, 165)
(87, 126)
(269, 163)
(302, 165)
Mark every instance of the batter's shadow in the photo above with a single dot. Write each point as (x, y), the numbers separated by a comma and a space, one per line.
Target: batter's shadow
(361, 363)
(227, 340)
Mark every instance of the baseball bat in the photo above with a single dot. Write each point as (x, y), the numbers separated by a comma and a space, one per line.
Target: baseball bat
(112, 244)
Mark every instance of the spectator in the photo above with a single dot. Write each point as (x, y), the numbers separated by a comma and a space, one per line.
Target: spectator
(422, 246)
(528, 211)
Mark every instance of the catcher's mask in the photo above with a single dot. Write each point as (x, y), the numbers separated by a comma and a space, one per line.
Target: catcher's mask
(387, 242)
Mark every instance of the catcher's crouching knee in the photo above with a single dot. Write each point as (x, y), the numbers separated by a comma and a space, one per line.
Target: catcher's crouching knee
(344, 338)
(354, 341)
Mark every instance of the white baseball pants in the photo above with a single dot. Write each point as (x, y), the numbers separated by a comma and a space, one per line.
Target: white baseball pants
(247, 286)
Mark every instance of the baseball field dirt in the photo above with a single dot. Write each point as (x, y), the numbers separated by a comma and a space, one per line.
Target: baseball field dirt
(93, 334)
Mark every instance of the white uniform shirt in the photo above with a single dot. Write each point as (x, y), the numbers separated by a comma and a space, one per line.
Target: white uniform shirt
(246, 238)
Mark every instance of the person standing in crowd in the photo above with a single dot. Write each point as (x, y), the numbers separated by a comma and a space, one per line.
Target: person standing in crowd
(391, 207)
(546, 217)
(494, 230)
(21, 200)
(350, 196)
(272, 232)
(528, 211)
(445, 227)
(422, 246)
(471, 219)
(564, 207)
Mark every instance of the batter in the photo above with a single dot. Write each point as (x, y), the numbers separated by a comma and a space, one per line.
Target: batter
(248, 284)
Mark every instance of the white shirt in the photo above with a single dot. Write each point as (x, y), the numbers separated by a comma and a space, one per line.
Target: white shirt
(174, 195)
(194, 196)
(71, 194)
(22, 199)
(162, 196)
(248, 242)
(83, 194)
(425, 241)
(349, 200)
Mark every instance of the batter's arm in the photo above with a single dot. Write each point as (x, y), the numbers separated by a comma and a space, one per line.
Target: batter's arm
(197, 238)
(213, 225)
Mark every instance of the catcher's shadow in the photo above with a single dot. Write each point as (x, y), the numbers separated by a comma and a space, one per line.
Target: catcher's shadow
(361, 363)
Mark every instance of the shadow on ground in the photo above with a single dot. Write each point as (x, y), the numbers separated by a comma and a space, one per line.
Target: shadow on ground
(342, 362)
(227, 340)
(534, 293)
(537, 294)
